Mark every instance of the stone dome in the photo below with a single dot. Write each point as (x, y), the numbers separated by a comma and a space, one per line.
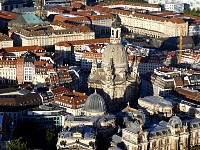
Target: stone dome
(117, 53)
(95, 104)
(175, 122)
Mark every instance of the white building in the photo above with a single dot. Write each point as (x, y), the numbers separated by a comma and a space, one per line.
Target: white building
(79, 52)
(5, 41)
(79, 137)
(72, 102)
(192, 3)
(29, 71)
(156, 105)
(175, 7)
(194, 29)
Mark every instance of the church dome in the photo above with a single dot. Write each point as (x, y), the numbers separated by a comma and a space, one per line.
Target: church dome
(95, 104)
(115, 53)
(175, 122)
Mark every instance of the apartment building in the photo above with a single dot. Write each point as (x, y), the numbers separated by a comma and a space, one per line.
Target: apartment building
(47, 36)
(161, 82)
(5, 41)
(90, 58)
(73, 102)
(77, 52)
(29, 70)
(16, 71)
(8, 71)
(146, 64)
(190, 57)
(175, 7)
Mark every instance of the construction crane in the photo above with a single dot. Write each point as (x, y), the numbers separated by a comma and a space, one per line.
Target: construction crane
(180, 45)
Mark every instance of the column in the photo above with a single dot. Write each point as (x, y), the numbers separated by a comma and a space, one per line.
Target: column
(174, 143)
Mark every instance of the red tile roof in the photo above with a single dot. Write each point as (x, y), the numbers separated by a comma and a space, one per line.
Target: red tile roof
(81, 42)
(21, 48)
(8, 15)
(128, 3)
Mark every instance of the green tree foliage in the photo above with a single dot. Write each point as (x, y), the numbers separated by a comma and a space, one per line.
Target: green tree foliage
(193, 12)
(17, 144)
(29, 131)
(50, 135)
(195, 147)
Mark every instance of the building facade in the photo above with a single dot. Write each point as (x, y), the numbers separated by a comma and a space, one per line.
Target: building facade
(40, 37)
(5, 41)
(113, 78)
(171, 135)
(147, 24)
(72, 102)
(82, 52)
(192, 3)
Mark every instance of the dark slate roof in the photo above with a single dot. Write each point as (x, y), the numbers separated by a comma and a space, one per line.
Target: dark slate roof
(20, 100)
(86, 131)
(24, 10)
(8, 90)
(27, 19)
(194, 123)
(95, 103)
(159, 129)
(175, 40)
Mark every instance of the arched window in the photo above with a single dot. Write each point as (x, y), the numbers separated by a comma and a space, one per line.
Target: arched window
(112, 32)
(153, 144)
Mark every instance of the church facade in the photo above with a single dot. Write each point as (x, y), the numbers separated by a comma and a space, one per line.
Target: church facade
(114, 80)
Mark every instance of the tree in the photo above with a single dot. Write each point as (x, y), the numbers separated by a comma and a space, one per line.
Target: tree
(17, 144)
(31, 136)
(195, 147)
(193, 12)
(50, 136)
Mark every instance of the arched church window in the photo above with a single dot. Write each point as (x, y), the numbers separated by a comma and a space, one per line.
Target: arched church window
(112, 32)
(154, 144)
(117, 36)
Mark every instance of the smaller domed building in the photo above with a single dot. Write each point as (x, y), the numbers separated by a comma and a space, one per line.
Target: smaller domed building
(95, 115)
(95, 105)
